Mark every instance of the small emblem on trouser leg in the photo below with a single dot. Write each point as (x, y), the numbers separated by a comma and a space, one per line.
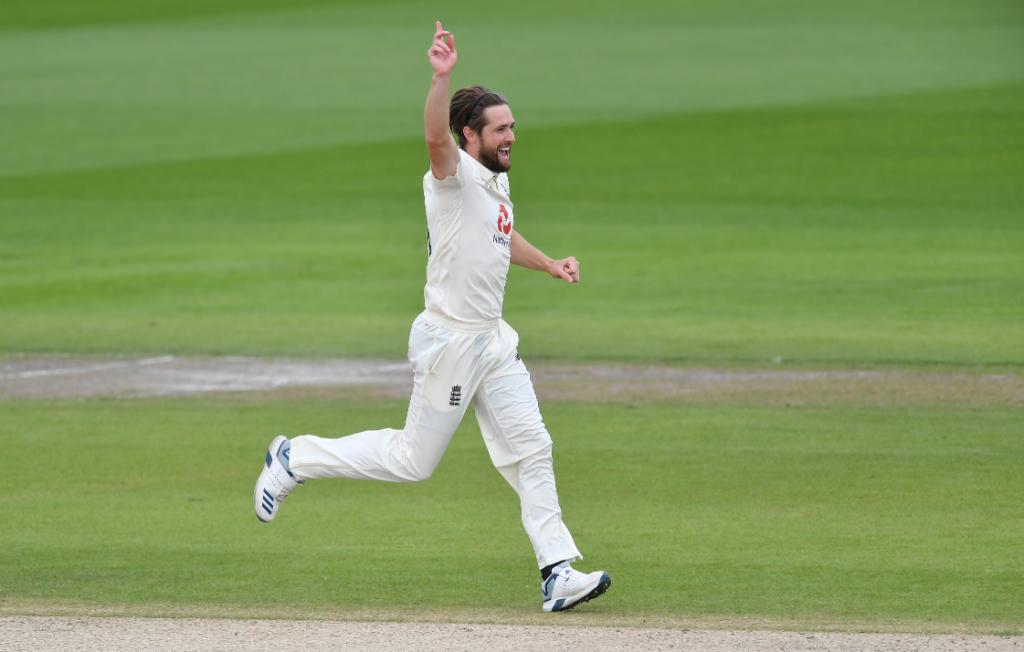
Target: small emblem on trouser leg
(456, 396)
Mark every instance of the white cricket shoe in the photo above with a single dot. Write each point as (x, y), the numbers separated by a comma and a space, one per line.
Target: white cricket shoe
(274, 483)
(566, 587)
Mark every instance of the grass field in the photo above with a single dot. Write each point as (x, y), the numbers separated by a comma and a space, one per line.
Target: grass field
(746, 184)
(868, 515)
(740, 185)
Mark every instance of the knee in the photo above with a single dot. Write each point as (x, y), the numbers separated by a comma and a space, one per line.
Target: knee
(419, 447)
(539, 461)
(418, 474)
(417, 468)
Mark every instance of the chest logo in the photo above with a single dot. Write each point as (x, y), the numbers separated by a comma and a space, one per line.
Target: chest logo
(504, 220)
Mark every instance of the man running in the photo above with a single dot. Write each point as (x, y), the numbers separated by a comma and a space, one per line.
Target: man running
(462, 352)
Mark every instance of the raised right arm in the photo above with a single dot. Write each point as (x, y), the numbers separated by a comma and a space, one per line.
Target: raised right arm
(441, 147)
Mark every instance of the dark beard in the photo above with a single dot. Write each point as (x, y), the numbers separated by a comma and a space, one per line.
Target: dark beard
(490, 161)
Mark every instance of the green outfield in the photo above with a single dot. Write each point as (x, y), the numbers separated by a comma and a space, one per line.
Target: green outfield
(898, 518)
(815, 185)
(784, 185)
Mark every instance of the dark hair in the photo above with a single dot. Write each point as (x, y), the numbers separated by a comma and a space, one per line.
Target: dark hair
(467, 109)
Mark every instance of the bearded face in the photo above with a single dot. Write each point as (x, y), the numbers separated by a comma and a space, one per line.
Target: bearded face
(497, 160)
(494, 142)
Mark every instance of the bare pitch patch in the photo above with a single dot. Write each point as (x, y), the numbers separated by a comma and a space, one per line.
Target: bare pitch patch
(159, 634)
(81, 377)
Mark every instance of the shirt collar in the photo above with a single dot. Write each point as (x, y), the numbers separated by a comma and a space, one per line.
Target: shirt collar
(488, 178)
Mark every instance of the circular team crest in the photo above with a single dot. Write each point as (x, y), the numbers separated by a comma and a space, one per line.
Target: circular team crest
(504, 220)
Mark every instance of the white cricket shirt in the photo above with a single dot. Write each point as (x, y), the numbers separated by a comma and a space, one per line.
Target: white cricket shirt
(469, 242)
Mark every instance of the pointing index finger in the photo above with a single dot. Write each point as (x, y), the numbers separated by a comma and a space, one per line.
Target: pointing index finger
(443, 35)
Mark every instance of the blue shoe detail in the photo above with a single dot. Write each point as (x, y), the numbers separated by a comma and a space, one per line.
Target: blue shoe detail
(284, 456)
(268, 502)
(272, 486)
(548, 584)
(570, 602)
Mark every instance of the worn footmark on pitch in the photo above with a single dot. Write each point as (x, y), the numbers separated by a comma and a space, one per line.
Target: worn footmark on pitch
(37, 377)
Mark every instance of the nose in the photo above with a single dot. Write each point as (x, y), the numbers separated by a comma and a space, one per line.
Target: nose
(511, 137)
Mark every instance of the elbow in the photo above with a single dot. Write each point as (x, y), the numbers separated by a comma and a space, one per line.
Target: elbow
(436, 142)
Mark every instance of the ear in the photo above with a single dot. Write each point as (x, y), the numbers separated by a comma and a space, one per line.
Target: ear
(469, 134)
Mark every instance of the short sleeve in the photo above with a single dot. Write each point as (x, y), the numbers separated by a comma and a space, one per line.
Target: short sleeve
(454, 180)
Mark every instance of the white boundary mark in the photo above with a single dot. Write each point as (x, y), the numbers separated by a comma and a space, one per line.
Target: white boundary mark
(86, 369)
(56, 376)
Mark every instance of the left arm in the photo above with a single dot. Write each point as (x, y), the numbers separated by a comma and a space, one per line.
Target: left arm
(526, 255)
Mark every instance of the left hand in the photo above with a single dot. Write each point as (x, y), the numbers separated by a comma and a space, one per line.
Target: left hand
(567, 269)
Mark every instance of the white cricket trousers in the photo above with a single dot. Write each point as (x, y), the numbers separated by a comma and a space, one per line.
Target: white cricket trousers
(455, 365)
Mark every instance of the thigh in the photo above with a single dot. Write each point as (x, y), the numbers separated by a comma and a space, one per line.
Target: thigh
(447, 370)
(448, 365)
(509, 415)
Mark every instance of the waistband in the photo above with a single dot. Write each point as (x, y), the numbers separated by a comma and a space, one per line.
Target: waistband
(455, 324)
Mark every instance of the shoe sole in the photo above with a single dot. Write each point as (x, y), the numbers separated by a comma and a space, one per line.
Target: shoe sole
(267, 461)
(602, 586)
